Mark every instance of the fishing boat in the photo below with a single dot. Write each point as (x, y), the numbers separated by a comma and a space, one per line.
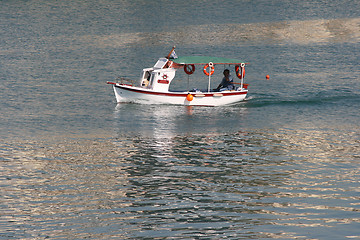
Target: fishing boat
(153, 85)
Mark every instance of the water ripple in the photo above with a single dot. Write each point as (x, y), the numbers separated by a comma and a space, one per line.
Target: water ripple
(237, 185)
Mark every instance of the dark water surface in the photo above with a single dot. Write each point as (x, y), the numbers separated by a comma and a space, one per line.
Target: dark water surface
(283, 164)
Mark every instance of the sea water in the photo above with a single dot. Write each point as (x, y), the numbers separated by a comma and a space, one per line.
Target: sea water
(282, 164)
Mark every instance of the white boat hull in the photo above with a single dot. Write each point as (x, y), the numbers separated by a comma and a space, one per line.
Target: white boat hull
(127, 93)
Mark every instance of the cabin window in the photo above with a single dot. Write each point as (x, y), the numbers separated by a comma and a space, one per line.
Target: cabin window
(160, 63)
(147, 75)
(146, 79)
(152, 80)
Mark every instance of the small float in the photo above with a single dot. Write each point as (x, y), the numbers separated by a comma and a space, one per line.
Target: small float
(153, 85)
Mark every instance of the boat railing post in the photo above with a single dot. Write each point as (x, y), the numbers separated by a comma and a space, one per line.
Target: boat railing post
(188, 82)
(209, 84)
(242, 77)
(211, 65)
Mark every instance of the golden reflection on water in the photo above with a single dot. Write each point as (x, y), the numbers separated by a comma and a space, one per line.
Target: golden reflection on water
(325, 178)
(298, 32)
(63, 185)
(289, 178)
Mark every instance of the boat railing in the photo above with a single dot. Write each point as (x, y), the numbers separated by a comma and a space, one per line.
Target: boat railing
(125, 80)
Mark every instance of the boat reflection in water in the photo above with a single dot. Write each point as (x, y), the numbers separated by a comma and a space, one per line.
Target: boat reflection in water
(181, 175)
(224, 180)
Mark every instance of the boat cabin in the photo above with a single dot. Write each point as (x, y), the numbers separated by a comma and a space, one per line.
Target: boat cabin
(159, 77)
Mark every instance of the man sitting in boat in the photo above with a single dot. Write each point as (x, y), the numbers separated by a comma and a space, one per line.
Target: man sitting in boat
(227, 82)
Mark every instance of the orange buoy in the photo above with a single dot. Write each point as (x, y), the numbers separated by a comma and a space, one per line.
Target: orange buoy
(267, 77)
(189, 97)
(211, 71)
(240, 71)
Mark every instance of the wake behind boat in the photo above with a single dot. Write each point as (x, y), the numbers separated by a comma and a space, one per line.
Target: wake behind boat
(153, 86)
